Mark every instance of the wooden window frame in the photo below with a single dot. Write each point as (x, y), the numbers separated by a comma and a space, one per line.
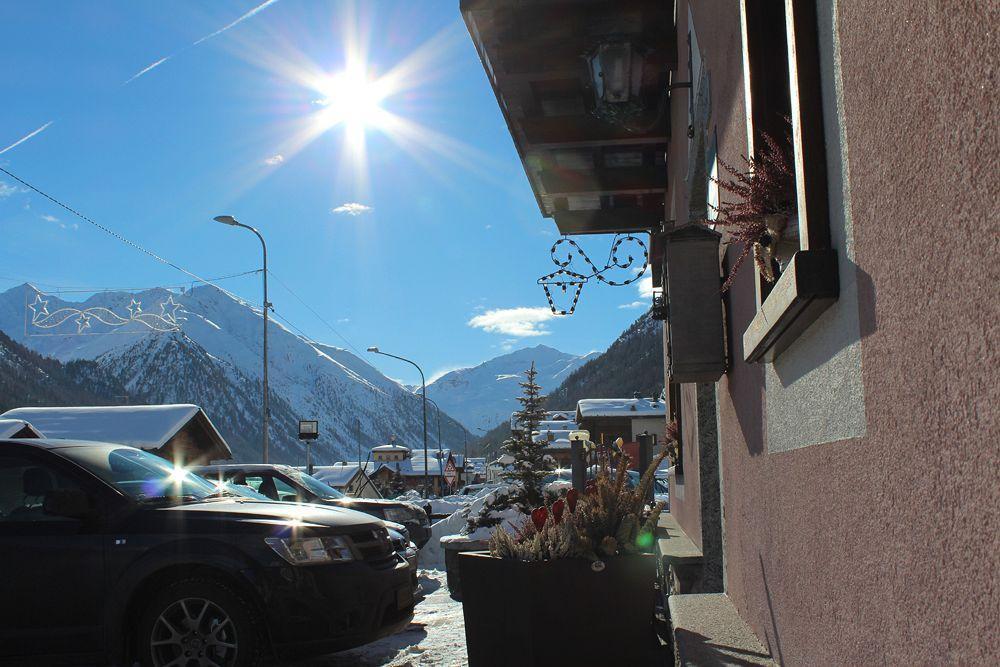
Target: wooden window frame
(809, 284)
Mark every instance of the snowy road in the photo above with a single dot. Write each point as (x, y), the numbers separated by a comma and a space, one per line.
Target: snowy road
(436, 637)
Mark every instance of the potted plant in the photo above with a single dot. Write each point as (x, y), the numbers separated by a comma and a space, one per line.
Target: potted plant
(762, 219)
(573, 585)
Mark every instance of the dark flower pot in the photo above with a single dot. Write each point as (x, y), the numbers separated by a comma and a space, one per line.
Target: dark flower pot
(451, 552)
(560, 612)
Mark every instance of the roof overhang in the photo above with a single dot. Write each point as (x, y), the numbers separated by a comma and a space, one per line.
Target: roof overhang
(591, 173)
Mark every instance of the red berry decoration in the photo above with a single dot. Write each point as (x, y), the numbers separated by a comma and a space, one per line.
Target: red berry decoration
(571, 497)
(538, 517)
(557, 510)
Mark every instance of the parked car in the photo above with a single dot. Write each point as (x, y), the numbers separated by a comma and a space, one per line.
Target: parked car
(114, 555)
(471, 489)
(284, 483)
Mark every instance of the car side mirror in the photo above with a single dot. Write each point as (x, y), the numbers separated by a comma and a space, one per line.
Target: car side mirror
(69, 503)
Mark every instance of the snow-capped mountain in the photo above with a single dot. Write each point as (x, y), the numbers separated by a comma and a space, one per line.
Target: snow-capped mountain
(485, 395)
(214, 360)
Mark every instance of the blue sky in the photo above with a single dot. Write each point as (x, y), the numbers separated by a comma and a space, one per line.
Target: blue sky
(428, 248)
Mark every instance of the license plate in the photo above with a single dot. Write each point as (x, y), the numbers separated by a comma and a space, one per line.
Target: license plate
(404, 597)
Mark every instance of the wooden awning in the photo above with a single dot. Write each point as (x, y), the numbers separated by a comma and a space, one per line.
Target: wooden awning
(591, 171)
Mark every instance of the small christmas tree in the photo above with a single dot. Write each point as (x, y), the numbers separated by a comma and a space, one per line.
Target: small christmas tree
(396, 485)
(530, 465)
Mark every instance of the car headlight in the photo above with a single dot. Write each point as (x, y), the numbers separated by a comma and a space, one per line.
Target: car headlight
(397, 514)
(311, 550)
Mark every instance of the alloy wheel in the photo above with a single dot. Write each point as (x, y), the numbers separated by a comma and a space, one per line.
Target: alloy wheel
(194, 632)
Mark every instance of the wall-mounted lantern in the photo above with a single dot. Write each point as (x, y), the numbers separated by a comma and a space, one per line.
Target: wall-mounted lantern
(616, 75)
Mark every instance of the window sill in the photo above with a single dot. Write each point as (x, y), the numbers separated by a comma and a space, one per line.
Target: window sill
(806, 288)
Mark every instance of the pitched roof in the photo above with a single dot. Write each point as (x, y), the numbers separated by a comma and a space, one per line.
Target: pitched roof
(142, 426)
(620, 407)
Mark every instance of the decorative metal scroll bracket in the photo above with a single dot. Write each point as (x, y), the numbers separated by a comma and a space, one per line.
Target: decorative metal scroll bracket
(567, 281)
(38, 316)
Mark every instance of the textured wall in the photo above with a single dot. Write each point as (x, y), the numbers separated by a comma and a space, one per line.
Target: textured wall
(884, 548)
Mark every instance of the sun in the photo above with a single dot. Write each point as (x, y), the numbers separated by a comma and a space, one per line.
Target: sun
(351, 98)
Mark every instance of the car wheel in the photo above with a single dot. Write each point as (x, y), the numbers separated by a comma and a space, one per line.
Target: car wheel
(198, 622)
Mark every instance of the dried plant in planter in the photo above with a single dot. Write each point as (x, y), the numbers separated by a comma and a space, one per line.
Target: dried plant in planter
(609, 519)
(766, 201)
(672, 443)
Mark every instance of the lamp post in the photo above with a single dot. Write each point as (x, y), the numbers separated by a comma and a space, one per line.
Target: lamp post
(230, 220)
(438, 409)
(423, 391)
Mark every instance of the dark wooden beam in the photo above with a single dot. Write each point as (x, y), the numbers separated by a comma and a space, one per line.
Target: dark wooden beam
(608, 220)
(604, 180)
(558, 131)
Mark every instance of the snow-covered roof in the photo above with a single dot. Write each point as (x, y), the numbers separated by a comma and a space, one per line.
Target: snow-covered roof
(391, 448)
(414, 466)
(18, 428)
(560, 415)
(559, 443)
(550, 425)
(337, 475)
(620, 407)
(551, 435)
(142, 426)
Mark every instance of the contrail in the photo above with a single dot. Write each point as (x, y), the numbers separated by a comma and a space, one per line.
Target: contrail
(146, 69)
(262, 6)
(26, 137)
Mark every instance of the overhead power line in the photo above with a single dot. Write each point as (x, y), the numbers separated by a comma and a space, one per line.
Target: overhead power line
(176, 266)
(318, 316)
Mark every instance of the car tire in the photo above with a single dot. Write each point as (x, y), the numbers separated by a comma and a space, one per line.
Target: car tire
(203, 620)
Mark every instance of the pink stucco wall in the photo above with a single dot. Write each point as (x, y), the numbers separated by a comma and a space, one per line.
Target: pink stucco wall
(884, 549)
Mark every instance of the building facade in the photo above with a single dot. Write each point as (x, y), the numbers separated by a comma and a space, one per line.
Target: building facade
(838, 425)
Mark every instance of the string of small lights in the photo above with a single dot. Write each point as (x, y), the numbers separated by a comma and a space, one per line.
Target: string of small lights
(577, 280)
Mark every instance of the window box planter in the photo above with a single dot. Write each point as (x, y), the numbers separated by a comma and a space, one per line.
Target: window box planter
(559, 612)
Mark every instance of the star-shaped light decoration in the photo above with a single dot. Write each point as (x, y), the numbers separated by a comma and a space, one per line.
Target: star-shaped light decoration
(171, 306)
(39, 308)
(134, 309)
(82, 322)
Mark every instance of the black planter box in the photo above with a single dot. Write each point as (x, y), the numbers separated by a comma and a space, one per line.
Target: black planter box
(558, 612)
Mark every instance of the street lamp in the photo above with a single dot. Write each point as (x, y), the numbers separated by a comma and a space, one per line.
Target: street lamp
(423, 390)
(230, 220)
(438, 408)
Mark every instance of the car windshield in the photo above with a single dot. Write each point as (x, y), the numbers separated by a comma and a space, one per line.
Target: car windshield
(139, 474)
(312, 484)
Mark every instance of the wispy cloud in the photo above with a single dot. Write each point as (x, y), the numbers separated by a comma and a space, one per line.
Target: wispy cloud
(645, 289)
(26, 137)
(521, 322)
(259, 8)
(146, 69)
(352, 208)
(343, 320)
(6, 190)
(274, 160)
(646, 284)
(50, 218)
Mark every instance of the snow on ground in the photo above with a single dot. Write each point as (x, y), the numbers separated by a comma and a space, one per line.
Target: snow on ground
(435, 637)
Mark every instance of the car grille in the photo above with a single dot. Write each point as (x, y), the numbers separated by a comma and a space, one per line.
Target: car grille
(374, 547)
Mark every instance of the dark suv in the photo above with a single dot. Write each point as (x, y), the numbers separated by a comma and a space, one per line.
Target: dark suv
(112, 554)
(280, 482)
